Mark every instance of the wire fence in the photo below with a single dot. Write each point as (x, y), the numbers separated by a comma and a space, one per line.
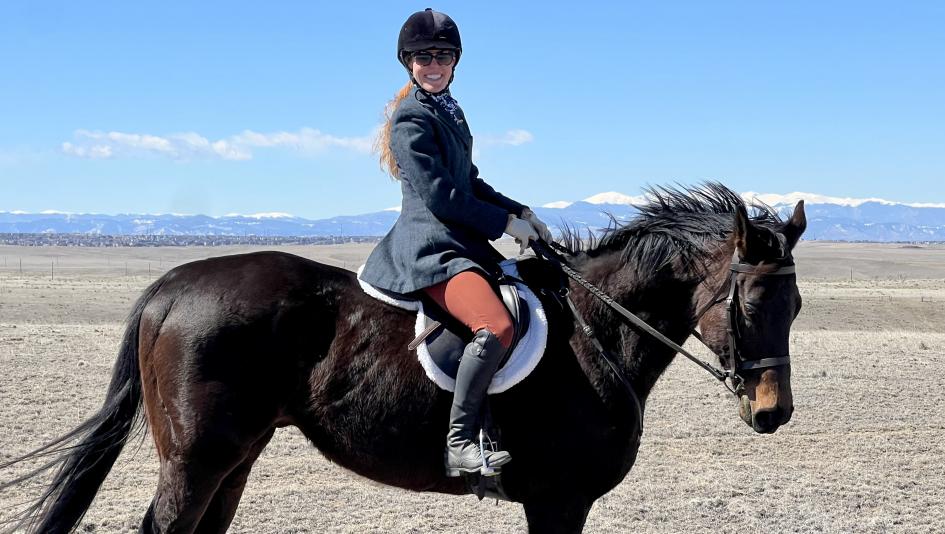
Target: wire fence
(108, 266)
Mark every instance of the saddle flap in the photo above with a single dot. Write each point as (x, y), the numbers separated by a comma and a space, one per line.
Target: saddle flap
(444, 344)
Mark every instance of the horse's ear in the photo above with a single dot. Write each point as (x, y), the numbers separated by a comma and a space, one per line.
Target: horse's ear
(796, 225)
(747, 237)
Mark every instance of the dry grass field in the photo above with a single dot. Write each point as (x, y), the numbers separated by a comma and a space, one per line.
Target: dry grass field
(865, 451)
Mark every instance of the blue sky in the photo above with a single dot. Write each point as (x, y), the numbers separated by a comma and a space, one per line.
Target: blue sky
(223, 107)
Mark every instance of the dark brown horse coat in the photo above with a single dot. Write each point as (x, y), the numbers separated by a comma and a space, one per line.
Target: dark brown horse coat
(221, 352)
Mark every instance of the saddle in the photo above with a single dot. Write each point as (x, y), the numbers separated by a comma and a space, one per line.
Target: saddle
(445, 338)
(440, 339)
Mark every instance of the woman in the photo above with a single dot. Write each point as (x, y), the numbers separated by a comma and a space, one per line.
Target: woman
(440, 243)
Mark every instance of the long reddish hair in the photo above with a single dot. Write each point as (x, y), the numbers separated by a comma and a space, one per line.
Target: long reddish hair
(382, 143)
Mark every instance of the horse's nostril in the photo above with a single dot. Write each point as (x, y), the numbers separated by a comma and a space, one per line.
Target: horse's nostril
(767, 419)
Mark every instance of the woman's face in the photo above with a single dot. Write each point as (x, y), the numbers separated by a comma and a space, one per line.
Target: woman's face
(433, 77)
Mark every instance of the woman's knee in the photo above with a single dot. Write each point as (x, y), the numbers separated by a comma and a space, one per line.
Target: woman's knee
(503, 329)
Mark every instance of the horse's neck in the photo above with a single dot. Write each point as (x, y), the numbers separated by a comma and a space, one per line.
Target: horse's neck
(666, 305)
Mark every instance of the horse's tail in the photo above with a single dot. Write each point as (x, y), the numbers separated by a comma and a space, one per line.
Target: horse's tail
(82, 466)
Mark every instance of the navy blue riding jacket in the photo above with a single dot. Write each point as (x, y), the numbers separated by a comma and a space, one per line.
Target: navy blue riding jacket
(448, 214)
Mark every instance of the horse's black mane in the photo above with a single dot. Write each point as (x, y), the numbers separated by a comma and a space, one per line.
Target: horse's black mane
(689, 222)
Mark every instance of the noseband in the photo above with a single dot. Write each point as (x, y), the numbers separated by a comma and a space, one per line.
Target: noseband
(731, 357)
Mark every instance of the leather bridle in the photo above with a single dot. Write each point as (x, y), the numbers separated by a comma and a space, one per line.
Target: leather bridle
(731, 357)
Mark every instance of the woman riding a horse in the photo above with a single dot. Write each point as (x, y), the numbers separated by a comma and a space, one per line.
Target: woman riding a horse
(220, 353)
(440, 243)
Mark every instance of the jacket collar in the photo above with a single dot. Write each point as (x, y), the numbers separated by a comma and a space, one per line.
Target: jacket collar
(461, 128)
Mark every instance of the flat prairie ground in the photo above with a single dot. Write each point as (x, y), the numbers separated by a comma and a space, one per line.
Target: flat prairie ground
(865, 451)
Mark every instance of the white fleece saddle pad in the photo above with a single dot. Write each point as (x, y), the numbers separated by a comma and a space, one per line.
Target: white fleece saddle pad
(525, 356)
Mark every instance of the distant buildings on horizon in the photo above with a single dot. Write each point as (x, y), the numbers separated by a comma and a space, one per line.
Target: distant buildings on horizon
(99, 240)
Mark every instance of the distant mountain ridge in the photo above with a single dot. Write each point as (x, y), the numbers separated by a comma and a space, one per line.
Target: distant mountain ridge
(370, 224)
(829, 218)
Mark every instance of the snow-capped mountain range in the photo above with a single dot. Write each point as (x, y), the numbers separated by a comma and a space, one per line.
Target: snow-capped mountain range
(829, 218)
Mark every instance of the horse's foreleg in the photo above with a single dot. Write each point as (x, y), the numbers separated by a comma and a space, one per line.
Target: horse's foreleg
(565, 515)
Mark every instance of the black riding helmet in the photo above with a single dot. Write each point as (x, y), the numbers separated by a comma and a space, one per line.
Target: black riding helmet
(424, 30)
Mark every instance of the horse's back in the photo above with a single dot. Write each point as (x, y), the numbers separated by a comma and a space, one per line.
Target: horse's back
(244, 287)
(255, 274)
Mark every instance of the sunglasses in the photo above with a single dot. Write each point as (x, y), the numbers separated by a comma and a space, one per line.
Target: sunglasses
(443, 58)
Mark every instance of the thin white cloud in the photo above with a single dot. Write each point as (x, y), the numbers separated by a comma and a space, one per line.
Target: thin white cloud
(514, 137)
(90, 152)
(242, 146)
(307, 140)
(191, 145)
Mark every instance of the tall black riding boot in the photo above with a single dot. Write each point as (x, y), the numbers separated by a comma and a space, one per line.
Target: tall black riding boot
(479, 362)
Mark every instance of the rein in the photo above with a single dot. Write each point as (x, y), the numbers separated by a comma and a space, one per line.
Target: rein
(731, 356)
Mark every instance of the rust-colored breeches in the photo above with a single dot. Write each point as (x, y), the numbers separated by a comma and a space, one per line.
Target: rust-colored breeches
(470, 299)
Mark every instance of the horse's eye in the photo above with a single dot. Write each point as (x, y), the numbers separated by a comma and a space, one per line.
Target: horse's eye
(752, 310)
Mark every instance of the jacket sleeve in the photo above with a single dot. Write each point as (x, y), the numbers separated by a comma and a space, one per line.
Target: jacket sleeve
(421, 166)
(487, 193)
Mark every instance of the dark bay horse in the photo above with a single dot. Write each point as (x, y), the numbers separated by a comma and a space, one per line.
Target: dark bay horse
(221, 352)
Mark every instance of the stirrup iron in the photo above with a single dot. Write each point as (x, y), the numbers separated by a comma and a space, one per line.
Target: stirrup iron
(487, 470)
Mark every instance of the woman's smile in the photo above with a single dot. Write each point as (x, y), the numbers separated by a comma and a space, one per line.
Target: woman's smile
(433, 77)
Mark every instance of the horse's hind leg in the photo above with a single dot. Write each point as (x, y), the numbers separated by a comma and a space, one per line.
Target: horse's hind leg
(204, 463)
(184, 492)
(222, 507)
(187, 486)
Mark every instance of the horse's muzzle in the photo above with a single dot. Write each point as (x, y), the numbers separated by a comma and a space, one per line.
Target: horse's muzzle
(765, 421)
(768, 403)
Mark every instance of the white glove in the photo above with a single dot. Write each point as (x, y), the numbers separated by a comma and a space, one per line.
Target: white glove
(521, 230)
(539, 226)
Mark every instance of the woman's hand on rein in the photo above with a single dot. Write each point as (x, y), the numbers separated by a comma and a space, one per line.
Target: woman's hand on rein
(521, 230)
(538, 225)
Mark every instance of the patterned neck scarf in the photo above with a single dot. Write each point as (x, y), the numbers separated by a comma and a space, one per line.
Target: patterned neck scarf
(446, 101)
